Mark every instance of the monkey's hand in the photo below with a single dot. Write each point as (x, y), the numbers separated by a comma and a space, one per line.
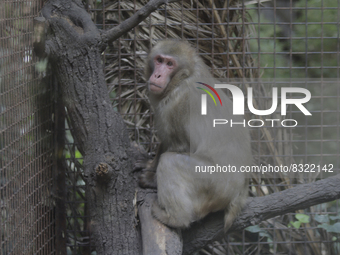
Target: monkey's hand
(142, 164)
(142, 159)
(148, 179)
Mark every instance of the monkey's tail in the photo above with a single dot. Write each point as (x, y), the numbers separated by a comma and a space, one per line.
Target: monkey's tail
(234, 208)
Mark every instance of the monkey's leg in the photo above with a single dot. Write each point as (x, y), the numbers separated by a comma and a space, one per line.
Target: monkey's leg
(176, 190)
(235, 207)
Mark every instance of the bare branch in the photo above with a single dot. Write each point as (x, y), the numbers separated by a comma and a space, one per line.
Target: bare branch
(139, 16)
(156, 237)
(262, 208)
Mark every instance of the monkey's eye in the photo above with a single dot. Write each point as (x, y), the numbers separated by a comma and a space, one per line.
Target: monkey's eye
(159, 59)
(169, 63)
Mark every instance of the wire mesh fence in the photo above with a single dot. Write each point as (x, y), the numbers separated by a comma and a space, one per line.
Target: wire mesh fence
(284, 41)
(26, 138)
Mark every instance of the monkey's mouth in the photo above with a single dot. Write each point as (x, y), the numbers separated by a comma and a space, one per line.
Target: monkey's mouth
(155, 88)
(154, 84)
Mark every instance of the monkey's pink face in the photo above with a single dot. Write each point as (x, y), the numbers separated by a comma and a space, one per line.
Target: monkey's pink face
(164, 66)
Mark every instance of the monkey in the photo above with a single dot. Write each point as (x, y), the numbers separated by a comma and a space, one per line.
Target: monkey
(188, 140)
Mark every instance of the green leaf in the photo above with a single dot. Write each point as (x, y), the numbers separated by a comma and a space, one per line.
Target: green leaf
(265, 234)
(295, 224)
(302, 217)
(331, 228)
(336, 228)
(336, 217)
(78, 154)
(321, 218)
(41, 66)
(254, 229)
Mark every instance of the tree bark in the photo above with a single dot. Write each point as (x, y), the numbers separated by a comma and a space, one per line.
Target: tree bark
(74, 47)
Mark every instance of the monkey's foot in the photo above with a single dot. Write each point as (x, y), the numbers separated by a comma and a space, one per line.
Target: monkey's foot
(142, 164)
(141, 157)
(167, 219)
(147, 179)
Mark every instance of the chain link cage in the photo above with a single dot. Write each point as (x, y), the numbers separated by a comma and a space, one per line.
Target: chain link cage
(26, 137)
(286, 41)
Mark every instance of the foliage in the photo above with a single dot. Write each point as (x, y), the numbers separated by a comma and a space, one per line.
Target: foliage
(301, 218)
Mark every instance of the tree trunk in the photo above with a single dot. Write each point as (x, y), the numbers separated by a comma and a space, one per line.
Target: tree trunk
(74, 48)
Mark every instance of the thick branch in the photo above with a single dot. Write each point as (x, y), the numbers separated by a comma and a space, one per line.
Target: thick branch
(74, 49)
(139, 16)
(261, 208)
(156, 237)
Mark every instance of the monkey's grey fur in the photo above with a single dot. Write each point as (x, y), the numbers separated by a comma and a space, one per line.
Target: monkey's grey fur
(188, 140)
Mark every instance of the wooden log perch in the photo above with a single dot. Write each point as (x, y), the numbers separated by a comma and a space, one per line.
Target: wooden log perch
(157, 238)
(262, 208)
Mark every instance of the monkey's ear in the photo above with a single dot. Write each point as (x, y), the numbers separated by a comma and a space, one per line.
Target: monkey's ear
(181, 75)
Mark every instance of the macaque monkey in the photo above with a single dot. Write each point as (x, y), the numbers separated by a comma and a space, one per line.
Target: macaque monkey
(189, 139)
